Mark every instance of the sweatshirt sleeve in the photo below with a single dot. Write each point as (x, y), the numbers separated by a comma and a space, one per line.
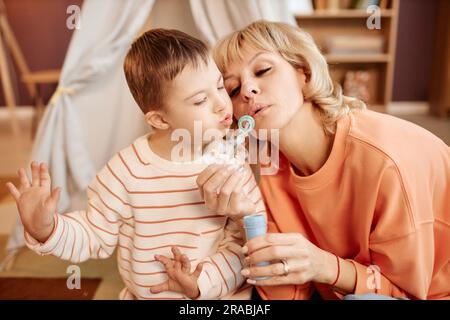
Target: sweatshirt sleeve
(92, 233)
(401, 243)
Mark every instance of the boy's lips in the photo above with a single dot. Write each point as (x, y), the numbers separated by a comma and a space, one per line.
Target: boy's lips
(227, 120)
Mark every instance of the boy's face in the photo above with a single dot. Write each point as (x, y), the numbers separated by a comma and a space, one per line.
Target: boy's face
(198, 94)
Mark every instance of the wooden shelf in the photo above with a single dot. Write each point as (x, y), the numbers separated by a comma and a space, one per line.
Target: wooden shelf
(342, 13)
(357, 58)
(324, 25)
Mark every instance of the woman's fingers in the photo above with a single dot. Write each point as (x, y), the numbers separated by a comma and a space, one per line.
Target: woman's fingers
(272, 281)
(216, 181)
(24, 183)
(13, 190)
(271, 253)
(35, 176)
(44, 176)
(274, 269)
(206, 175)
(212, 187)
(227, 190)
(271, 239)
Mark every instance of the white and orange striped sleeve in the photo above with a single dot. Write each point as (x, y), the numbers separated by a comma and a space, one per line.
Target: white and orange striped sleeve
(93, 233)
(251, 189)
(221, 274)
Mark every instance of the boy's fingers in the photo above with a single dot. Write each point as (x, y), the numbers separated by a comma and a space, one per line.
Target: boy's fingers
(198, 270)
(168, 263)
(35, 174)
(54, 197)
(177, 266)
(176, 253)
(160, 287)
(44, 176)
(24, 183)
(13, 190)
(185, 264)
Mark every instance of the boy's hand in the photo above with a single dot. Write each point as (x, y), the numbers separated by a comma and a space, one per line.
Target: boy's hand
(222, 188)
(180, 278)
(36, 202)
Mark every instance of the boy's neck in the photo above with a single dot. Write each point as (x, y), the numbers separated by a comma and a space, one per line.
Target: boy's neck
(162, 145)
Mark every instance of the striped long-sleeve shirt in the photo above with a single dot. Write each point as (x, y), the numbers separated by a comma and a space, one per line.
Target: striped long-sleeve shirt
(143, 205)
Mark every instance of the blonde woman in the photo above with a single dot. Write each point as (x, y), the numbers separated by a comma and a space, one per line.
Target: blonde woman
(361, 201)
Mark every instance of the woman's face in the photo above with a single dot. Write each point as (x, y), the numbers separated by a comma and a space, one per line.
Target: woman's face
(264, 86)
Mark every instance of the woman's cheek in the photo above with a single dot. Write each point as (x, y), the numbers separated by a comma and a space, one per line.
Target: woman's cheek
(238, 111)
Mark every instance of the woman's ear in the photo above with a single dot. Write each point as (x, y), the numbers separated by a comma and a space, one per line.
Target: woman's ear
(304, 75)
(156, 118)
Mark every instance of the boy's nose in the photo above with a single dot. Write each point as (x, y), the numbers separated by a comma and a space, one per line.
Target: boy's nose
(219, 104)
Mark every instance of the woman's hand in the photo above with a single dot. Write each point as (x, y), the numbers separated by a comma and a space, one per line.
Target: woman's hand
(221, 187)
(305, 261)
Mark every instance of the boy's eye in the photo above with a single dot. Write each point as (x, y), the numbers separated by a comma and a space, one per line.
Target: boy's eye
(261, 72)
(234, 91)
(200, 102)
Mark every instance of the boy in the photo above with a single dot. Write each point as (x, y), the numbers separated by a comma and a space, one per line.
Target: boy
(144, 202)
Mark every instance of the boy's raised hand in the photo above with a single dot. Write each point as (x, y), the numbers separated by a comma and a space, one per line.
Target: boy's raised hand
(180, 277)
(36, 202)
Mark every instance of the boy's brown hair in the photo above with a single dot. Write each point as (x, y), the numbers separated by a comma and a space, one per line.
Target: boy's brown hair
(155, 59)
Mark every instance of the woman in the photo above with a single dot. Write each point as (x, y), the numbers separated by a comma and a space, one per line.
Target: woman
(360, 203)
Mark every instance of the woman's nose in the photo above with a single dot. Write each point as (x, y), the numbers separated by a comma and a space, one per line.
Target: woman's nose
(250, 91)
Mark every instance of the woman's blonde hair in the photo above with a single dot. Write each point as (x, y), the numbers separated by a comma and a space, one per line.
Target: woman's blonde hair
(299, 49)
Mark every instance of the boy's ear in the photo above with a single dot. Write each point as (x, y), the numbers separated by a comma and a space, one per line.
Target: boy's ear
(156, 119)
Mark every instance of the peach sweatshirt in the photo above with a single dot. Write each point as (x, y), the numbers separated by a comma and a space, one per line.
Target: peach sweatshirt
(143, 205)
(381, 200)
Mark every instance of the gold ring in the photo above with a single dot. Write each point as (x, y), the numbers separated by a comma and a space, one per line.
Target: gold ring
(285, 267)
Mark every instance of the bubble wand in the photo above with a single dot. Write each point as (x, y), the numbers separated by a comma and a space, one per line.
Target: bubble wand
(245, 126)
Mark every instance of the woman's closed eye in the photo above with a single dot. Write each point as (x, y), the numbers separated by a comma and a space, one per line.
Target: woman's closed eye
(234, 91)
(262, 71)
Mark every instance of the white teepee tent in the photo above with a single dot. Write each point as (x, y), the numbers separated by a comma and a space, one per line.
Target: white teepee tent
(92, 114)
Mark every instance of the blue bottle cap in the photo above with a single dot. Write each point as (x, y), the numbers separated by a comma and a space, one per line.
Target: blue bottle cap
(255, 221)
